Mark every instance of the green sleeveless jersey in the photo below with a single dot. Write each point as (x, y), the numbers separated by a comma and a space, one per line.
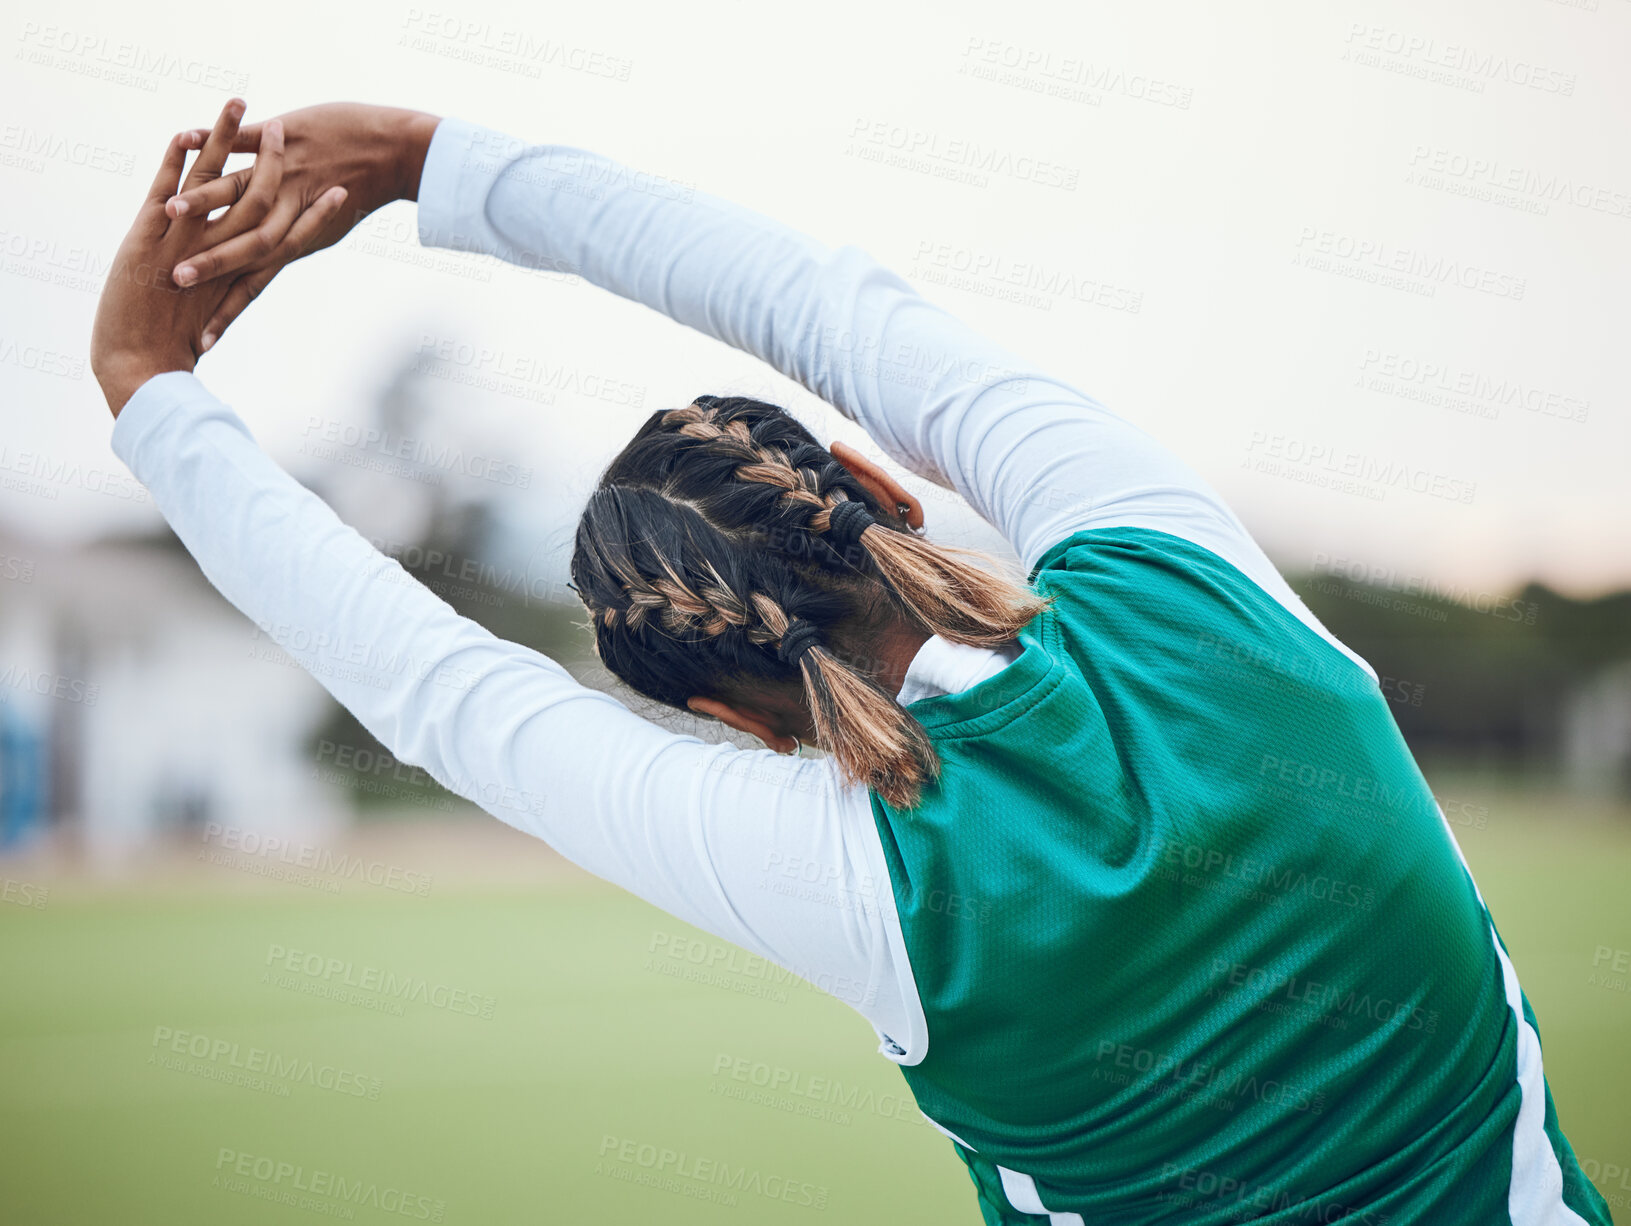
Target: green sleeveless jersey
(1216, 956)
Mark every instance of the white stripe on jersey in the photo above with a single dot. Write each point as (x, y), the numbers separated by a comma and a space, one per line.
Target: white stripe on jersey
(1021, 1193)
(1536, 1195)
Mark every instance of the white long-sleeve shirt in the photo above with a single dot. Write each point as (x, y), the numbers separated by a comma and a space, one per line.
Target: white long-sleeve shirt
(769, 852)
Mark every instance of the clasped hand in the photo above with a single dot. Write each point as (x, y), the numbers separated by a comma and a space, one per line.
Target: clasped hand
(146, 324)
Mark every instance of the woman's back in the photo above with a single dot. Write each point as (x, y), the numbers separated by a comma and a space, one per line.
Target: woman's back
(1191, 937)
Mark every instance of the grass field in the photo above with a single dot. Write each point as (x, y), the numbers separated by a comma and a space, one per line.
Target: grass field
(601, 1040)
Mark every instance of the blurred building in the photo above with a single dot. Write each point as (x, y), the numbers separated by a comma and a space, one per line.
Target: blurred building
(1595, 733)
(135, 702)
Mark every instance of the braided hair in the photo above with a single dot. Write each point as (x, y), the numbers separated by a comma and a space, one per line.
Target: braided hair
(724, 545)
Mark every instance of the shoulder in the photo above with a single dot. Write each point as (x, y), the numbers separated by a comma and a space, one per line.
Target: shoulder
(1204, 548)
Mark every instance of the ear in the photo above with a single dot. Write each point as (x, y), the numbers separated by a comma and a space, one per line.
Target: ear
(744, 719)
(889, 492)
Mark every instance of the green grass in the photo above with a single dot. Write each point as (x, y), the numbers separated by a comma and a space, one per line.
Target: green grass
(503, 1119)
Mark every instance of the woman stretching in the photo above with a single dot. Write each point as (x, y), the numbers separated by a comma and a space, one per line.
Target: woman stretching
(1128, 866)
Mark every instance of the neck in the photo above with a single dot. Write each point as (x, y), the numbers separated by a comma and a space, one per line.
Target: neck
(896, 648)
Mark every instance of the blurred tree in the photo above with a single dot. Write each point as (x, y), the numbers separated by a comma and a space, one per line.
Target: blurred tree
(1491, 683)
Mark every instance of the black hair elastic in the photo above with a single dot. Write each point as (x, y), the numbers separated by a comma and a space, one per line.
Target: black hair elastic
(801, 635)
(846, 522)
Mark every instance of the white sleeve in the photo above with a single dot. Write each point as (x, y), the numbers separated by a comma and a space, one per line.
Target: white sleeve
(768, 852)
(1036, 457)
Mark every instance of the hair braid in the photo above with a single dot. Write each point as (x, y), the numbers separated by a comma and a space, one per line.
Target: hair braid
(725, 550)
(711, 609)
(945, 587)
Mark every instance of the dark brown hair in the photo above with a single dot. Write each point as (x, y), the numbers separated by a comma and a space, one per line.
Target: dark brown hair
(725, 546)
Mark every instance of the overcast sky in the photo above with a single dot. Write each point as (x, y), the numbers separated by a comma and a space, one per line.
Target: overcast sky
(1364, 266)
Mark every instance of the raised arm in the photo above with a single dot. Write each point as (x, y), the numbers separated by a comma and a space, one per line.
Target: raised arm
(706, 832)
(697, 829)
(1033, 454)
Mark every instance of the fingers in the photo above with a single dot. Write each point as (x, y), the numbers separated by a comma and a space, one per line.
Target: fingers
(164, 183)
(244, 291)
(253, 228)
(312, 222)
(202, 201)
(217, 145)
(247, 288)
(265, 177)
(251, 248)
(247, 141)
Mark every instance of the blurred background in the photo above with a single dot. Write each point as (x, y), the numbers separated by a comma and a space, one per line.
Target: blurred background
(1361, 265)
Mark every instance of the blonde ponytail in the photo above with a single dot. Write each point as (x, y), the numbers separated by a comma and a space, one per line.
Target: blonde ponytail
(874, 739)
(944, 586)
